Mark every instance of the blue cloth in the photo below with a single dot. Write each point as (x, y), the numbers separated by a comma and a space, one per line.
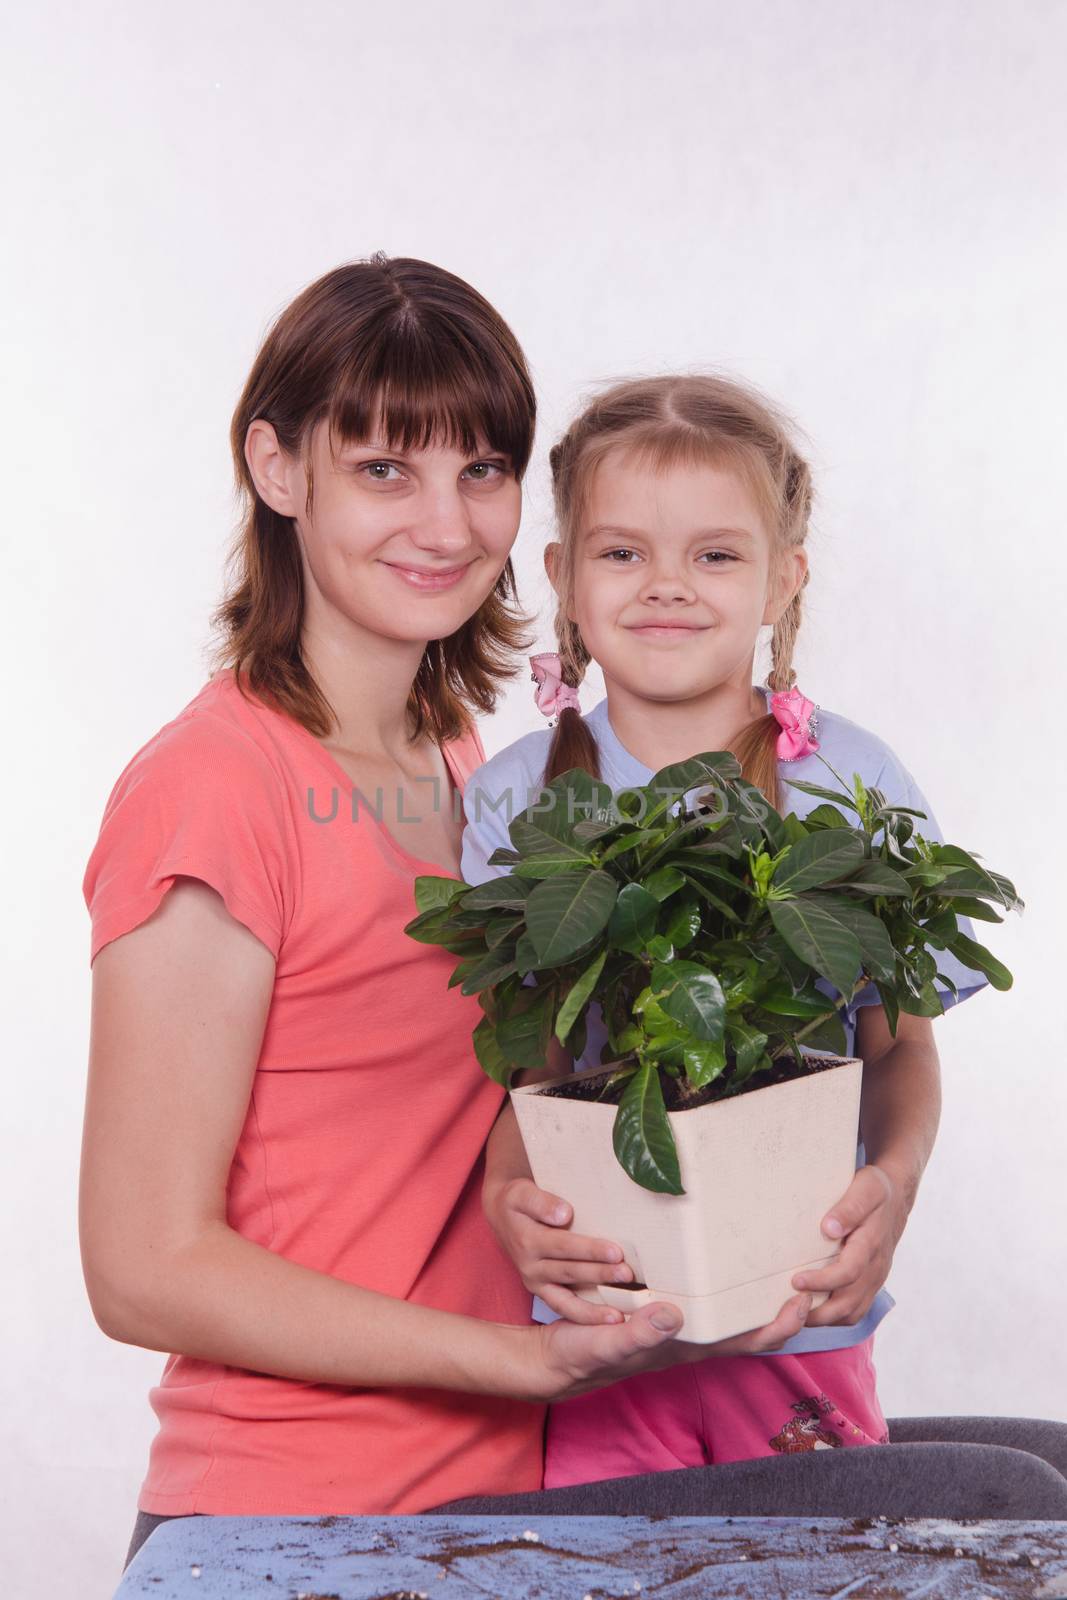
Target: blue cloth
(512, 780)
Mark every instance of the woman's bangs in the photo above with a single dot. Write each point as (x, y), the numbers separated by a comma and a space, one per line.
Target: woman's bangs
(411, 388)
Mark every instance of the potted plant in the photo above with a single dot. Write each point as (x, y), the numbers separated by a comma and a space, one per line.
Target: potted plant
(722, 942)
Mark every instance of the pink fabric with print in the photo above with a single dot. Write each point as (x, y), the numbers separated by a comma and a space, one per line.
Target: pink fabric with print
(727, 1408)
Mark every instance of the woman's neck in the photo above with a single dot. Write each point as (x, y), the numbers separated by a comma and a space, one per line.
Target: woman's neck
(367, 679)
(660, 732)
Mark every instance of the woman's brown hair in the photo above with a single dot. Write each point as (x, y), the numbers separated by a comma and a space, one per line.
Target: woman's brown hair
(404, 346)
(665, 421)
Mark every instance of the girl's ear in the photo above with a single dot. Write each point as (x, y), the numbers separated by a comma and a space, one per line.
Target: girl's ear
(553, 558)
(789, 575)
(271, 468)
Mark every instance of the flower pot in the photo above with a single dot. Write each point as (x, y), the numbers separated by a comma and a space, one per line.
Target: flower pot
(760, 1171)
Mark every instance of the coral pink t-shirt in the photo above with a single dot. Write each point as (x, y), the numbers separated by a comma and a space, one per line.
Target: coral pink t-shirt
(361, 1151)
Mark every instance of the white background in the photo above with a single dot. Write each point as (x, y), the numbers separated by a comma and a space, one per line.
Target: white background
(858, 207)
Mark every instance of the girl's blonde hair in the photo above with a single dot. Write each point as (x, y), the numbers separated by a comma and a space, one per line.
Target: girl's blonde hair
(664, 422)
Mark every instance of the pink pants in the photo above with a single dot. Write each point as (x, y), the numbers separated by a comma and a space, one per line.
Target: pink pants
(727, 1408)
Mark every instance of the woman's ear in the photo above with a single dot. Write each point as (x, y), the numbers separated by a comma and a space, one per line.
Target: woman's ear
(271, 468)
(789, 575)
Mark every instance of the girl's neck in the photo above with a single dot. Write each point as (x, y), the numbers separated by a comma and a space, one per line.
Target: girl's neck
(660, 732)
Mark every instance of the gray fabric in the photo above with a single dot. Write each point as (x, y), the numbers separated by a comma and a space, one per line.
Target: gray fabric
(957, 1467)
(955, 1481)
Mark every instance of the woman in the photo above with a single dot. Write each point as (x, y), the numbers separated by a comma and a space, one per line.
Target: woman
(281, 1166)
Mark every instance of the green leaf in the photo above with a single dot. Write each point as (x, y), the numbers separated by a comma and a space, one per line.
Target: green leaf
(501, 930)
(642, 1137)
(531, 839)
(713, 900)
(828, 1035)
(683, 923)
(664, 882)
(487, 972)
(747, 1044)
(827, 817)
(819, 858)
(820, 940)
(633, 919)
(437, 926)
(504, 858)
(976, 955)
(836, 795)
(490, 1058)
(524, 1037)
(565, 912)
(876, 947)
(508, 891)
(779, 999)
(977, 910)
(632, 840)
(876, 876)
(691, 995)
(704, 1061)
(432, 891)
(578, 997)
(572, 798)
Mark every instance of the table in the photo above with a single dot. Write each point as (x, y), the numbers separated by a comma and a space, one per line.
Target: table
(597, 1558)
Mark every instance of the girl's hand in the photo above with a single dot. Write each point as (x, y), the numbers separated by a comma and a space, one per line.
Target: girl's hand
(577, 1359)
(532, 1226)
(870, 1218)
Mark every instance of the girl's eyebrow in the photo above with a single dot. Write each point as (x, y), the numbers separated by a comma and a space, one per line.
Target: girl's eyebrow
(612, 532)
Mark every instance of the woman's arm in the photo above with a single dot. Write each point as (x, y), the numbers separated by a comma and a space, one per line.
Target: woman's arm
(179, 1008)
(900, 1108)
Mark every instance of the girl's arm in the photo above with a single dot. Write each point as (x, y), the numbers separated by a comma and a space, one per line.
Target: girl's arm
(179, 1008)
(531, 1224)
(900, 1108)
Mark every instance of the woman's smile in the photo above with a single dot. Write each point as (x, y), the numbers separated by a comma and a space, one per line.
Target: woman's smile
(430, 579)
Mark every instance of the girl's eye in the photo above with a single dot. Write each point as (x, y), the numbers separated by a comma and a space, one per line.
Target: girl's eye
(484, 471)
(724, 554)
(609, 555)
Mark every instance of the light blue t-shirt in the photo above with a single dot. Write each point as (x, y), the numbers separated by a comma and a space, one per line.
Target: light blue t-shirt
(512, 780)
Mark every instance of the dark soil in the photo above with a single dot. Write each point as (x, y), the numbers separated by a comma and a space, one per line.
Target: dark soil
(676, 1093)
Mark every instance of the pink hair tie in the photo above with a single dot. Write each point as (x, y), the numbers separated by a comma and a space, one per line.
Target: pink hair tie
(553, 695)
(798, 717)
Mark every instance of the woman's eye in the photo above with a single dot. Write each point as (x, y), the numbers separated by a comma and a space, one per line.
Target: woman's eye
(378, 471)
(484, 471)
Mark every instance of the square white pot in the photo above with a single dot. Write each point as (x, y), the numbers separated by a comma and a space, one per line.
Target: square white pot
(759, 1170)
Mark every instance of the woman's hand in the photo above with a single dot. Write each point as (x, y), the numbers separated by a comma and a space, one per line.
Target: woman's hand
(533, 1228)
(870, 1217)
(577, 1358)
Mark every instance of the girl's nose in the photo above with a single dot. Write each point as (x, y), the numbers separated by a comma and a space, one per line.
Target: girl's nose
(667, 583)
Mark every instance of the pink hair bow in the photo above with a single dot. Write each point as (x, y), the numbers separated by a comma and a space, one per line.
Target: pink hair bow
(553, 695)
(798, 719)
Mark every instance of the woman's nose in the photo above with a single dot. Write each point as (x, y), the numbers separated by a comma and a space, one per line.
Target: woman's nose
(442, 522)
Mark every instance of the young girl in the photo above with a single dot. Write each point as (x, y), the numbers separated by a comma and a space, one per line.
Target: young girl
(683, 509)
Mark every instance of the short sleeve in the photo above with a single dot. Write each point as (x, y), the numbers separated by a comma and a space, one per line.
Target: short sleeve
(200, 800)
(900, 788)
(489, 803)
